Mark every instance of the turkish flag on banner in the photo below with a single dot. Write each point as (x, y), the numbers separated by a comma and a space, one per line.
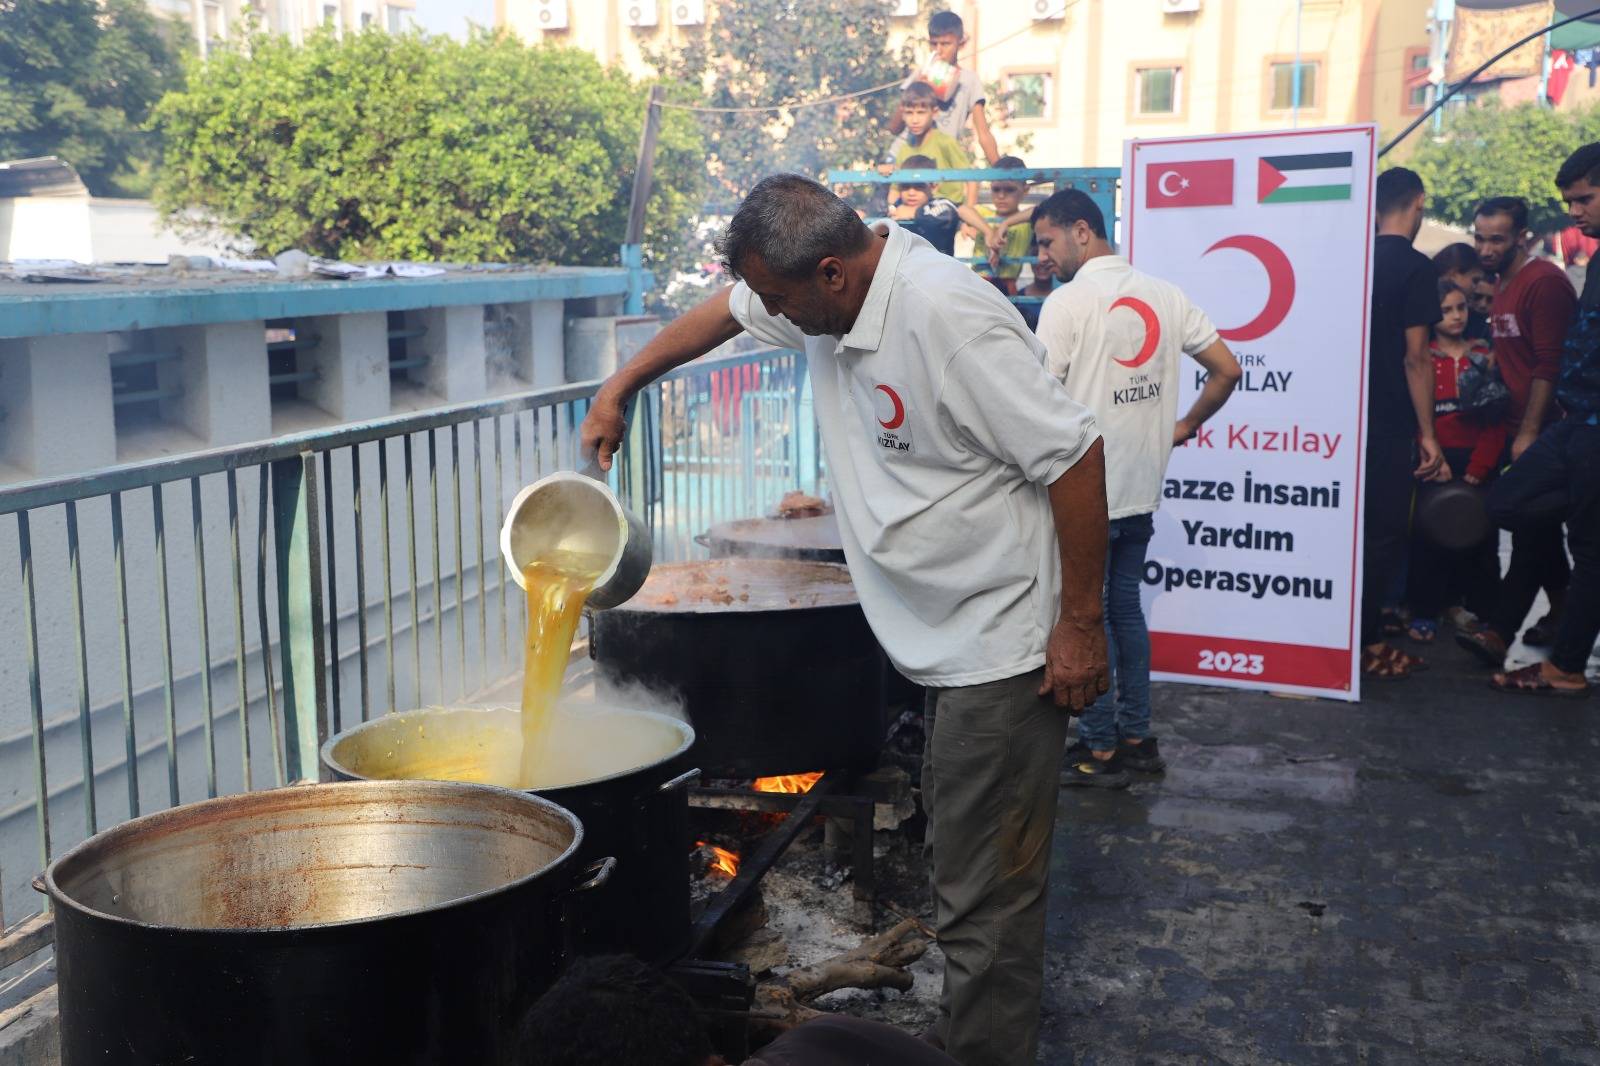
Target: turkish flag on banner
(1197, 183)
(1560, 73)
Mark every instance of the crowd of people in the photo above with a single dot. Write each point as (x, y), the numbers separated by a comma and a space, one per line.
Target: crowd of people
(1481, 418)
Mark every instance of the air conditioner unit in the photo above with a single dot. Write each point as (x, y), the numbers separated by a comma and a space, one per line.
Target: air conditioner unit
(1180, 7)
(1049, 10)
(688, 12)
(640, 12)
(550, 14)
(904, 9)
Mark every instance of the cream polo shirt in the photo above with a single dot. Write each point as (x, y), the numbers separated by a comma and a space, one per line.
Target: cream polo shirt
(941, 430)
(1115, 338)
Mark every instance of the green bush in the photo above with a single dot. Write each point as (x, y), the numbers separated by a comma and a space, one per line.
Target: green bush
(377, 146)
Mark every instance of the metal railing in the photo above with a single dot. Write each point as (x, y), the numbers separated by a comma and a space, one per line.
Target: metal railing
(196, 626)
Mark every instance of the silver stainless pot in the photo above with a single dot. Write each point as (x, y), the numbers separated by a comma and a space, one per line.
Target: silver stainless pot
(392, 922)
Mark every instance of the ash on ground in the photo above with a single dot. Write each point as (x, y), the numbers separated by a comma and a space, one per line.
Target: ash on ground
(810, 903)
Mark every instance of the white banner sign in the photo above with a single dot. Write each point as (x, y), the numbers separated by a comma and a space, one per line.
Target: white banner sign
(1254, 575)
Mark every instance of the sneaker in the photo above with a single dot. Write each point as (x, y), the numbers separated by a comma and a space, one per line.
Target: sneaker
(1093, 773)
(1144, 757)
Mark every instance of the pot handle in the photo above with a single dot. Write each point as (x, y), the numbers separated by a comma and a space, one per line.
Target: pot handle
(703, 540)
(683, 780)
(38, 885)
(597, 874)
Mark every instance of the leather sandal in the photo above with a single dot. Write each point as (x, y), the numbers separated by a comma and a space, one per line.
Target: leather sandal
(1530, 681)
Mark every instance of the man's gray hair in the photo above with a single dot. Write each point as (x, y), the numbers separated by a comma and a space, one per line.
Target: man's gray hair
(792, 223)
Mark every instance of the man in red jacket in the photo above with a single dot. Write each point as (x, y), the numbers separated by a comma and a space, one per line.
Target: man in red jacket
(1533, 307)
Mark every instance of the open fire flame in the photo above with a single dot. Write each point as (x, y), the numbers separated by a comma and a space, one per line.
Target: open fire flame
(793, 784)
(724, 861)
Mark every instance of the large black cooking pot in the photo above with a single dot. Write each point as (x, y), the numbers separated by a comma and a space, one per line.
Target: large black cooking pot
(635, 806)
(772, 659)
(815, 540)
(392, 922)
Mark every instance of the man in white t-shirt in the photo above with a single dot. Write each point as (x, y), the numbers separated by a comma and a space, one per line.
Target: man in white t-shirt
(1116, 338)
(970, 492)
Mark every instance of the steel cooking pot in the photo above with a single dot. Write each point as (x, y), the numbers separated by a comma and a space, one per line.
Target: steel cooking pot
(393, 922)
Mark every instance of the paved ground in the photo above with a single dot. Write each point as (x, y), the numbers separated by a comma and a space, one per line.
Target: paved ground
(1415, 879)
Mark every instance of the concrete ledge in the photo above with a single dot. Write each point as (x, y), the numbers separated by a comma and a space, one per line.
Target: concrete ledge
(30, 1033)
(157, 299)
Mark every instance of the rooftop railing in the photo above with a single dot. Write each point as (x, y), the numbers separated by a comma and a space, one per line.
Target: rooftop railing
(197, 625)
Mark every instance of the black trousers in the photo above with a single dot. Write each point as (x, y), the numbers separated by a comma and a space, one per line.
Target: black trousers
(1556, 480)
(1385, 526)
(1444, 577)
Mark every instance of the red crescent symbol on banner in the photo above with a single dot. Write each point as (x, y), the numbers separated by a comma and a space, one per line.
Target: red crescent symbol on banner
(1280, 286)
(1152, 330)
(899, 409)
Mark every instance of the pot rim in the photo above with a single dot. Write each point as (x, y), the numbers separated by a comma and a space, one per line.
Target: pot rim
(59, 897)
(687, 735)
(559, 476)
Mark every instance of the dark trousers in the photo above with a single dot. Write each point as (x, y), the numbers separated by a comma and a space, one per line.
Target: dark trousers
(1538, 561)
(1558, 479)
(1444, 577)
(1385, 526)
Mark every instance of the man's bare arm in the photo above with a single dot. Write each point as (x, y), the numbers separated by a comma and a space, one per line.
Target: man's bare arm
(685, 338)
(1223, 376)
(1419, 381)
(980, 127)
(1075, 660)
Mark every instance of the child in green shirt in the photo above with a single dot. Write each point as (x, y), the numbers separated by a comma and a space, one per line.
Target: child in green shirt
(1008, 234)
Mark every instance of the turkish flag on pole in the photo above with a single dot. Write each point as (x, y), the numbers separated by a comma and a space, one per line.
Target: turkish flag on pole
(1198, 183)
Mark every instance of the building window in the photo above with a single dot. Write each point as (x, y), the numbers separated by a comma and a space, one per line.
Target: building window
(1417, 86)
(330, 14)
(216, 26)
(1029, 95)
(1283, 81)
(395, 17)
(1158, 90)
(366, 19)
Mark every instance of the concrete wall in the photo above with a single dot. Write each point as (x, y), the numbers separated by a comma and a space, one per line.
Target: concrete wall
(88, 230)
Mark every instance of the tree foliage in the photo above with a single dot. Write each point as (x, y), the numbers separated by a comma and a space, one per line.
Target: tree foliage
(1491, 150)
(758, 52)
(77, 80)
(377, 146)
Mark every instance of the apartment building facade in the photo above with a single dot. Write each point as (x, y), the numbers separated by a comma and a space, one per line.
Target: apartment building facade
(1080, 76)
(210, 21)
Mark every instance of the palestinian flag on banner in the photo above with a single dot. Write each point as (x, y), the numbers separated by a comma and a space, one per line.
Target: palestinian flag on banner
(1300, 179)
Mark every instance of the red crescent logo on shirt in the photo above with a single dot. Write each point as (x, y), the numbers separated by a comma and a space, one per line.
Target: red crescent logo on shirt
(1152, 330)
(897, 419)
(1280, 286)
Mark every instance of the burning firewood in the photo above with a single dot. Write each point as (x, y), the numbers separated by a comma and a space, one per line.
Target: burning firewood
(782, 1003)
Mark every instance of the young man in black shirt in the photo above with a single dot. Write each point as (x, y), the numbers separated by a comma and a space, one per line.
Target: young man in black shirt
(1401, 445)
(1558, 477)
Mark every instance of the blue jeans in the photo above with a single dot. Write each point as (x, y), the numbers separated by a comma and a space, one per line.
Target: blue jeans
(1123, 713)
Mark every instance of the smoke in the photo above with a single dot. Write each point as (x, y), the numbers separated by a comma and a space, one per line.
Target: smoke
(621, 694)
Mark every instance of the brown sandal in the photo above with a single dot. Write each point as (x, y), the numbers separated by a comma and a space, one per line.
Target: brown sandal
(1530, 681)
(1377, 666)
(1412, 664)
(1485, 646)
